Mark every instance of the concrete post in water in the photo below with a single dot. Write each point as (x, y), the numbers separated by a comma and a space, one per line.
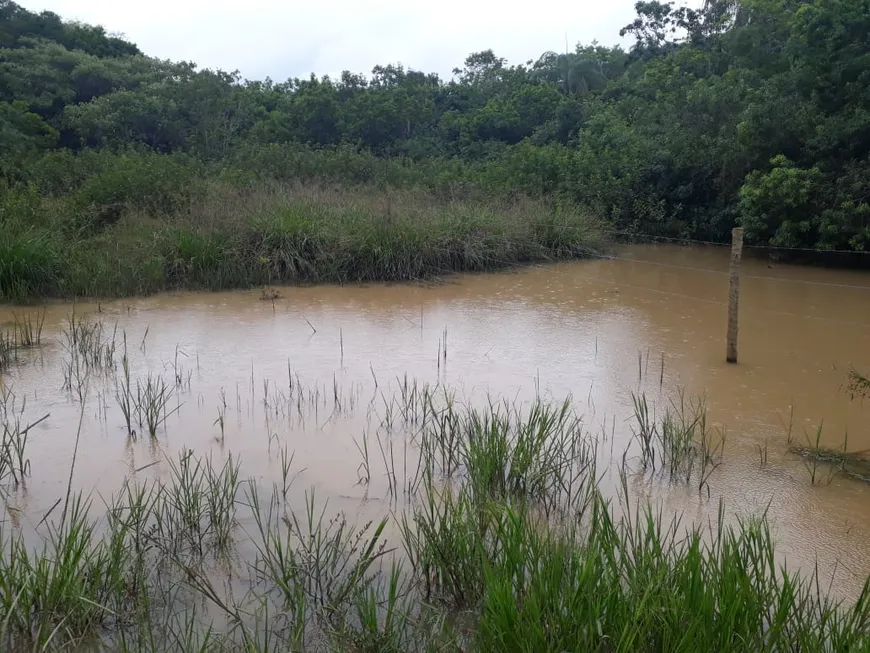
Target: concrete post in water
(734, 292)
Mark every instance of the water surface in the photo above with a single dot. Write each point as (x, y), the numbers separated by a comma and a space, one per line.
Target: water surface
(652, 320)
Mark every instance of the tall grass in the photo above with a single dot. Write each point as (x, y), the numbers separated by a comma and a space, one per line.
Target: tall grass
(124, 391)
(90, 350)
(91, 341)
(31, 262)
(644, 584)
(26, 333)
(269, 233)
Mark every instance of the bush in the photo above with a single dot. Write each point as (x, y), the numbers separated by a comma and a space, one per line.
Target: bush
(781, 205)
(154, 183)
(28, 265)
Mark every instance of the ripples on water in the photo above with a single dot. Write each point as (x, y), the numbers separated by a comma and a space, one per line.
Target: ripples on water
(597, 331)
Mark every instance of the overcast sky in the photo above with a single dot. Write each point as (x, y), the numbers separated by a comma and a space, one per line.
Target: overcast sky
(289, 38)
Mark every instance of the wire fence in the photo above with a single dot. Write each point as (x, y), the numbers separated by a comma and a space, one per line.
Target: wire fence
(693, 241)
(744, 276)
(595, 254)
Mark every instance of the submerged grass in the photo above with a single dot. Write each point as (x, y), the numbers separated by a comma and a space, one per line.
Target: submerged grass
(266, 234)
(28, 329)
(152, 400)
(25, 333)
(855, 464)
(679, 445)
(505, 541)
(8, 350)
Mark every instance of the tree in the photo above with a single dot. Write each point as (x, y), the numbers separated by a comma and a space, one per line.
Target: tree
(18, 27)
(23, 136)
(735, 111)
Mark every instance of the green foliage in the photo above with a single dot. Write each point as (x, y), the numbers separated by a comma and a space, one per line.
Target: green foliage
(115, 236)
(29, 257)
(779, 205)
(27, 266)
(516, 534)
(132, 181)
(196, 257)
(19, 24)
(790, 206)
(639, 586)
(23, 136)
(506, 542)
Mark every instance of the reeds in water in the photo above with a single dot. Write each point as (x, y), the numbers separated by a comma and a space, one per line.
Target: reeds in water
(625, 574)
(152, 401)
(149, 404)
(26, 333)
(28, 329)
(124, 391)
(14, 463)
(506, 542)
(91, 342)
(8, 350)
(90, 349)
(680, 444)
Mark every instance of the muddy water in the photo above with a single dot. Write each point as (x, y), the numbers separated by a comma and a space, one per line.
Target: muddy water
(651, 321)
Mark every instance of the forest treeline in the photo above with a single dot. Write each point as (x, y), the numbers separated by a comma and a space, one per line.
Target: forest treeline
(749, 112)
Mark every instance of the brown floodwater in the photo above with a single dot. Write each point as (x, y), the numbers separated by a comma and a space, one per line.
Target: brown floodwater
(652, 320)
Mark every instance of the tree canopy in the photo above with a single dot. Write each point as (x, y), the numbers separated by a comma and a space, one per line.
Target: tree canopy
(750, 112)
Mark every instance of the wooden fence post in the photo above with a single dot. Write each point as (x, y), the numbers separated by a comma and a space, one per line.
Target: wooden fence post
(734, 292)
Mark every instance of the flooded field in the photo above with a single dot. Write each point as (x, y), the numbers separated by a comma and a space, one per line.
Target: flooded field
(306, 388)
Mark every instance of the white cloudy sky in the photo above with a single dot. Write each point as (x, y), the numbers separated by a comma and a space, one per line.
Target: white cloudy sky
(288, 38)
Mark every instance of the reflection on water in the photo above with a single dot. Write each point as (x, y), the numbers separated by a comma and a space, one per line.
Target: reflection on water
(652, 321)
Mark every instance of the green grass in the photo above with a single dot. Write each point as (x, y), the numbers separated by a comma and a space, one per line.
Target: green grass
(678, 445)
(503, 542)
(227, 236)
(30, 263)
(640, 584)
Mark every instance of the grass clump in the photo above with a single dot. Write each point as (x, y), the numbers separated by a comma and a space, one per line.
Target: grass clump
(14, 464)
(229, 236)
(30, 264)
(604, 576)
(679, 445)
(644, 584)
(152, 400)
(28, 330)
